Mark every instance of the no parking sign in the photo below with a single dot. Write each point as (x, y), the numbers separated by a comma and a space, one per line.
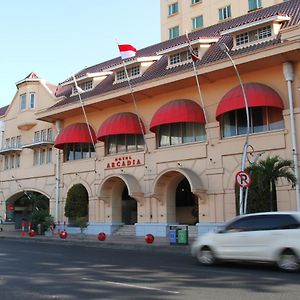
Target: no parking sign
(243, 179)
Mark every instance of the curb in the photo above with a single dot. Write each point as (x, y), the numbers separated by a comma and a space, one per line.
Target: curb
(179, 249)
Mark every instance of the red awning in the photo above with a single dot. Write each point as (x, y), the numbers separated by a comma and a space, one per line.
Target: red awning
(178, 111)
(74, 133)
(121, 123)
(257, 95)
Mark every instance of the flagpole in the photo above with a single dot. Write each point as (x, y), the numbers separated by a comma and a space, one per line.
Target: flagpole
(196, 77)
(84, 113)
(134, 103)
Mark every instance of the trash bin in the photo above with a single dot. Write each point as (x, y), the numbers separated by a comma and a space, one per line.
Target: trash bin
(173, 235)
(183, 235)
(178, 234)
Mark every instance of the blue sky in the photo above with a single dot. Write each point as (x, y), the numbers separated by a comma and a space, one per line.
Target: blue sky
(59, 37)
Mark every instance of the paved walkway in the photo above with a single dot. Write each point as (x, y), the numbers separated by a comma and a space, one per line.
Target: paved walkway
(112, 241)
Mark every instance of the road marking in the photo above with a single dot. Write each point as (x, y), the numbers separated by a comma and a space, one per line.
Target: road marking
(135, 286)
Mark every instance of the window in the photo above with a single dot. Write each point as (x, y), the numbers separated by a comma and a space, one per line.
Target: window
(6, 161)
(224, 12)
(122, 143)
(264, 32)
(196, 1)
(35, 157)
(18, 141)
(23, 102)
(263, 222)
(242, 39)
(181, 57)
(197, 22)
(43, 135)
(18, 160)
(262, 119)
(180, 133)
(173, 32)
(85, 86)
(49, 155)
(78, 151)
(32, 101)
(43, 156)
(36, 138)
(131, 72)
(173, 8)
(50, 134)
(253, 35)
(254, 4)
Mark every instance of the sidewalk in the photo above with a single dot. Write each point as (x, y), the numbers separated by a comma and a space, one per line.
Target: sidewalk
(112, 241)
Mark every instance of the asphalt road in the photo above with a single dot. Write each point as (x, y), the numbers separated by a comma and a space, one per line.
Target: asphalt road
(33, 270)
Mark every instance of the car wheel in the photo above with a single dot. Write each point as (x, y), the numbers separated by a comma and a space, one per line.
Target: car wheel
(288, 261)
(205, 256)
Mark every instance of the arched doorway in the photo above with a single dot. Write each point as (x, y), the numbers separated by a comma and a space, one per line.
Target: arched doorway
(129, 208)
(21, 206)
(186, 204)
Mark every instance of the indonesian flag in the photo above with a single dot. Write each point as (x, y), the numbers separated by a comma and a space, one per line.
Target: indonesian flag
(127, 51)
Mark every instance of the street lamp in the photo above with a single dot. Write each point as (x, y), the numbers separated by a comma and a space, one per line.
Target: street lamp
(226, 50)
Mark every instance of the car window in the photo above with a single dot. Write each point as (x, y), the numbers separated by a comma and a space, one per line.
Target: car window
(263, 222)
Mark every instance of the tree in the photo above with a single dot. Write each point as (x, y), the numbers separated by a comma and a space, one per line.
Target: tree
(265, 174)
(76, 203)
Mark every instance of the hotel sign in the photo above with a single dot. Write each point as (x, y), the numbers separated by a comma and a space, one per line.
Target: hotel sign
(124, 161)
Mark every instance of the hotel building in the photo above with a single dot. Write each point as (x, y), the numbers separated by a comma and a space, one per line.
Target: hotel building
(168, 153)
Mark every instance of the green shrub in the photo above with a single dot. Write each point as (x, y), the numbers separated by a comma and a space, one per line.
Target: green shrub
(76, 203)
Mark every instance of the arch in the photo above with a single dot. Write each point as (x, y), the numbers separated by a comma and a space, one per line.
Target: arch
(191, 176)
(111, 192)
(165, 190)
(133, 186)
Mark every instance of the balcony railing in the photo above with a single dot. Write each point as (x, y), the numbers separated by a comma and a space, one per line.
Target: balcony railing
(11, 149)
(39, 142)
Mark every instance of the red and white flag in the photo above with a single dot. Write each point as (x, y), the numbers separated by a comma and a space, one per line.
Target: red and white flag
(127, 51)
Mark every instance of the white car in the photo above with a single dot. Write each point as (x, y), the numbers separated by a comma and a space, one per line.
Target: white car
(262, 237)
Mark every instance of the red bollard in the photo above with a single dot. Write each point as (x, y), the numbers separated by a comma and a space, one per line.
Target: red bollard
(58, 228)
(52, 228)
(23, 229)
(149, 238)
(29, 226)
(101, 236)
(31, 233)
(63, 235)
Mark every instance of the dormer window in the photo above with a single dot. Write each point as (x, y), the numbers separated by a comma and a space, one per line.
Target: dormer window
(253, 35)
(181, 57)
(85, 86)
(256, 32)
(132, 73)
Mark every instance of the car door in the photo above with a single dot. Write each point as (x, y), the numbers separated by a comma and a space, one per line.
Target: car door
(233, 241)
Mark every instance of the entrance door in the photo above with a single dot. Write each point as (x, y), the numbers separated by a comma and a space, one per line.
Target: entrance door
(129, 208)
(186, 204)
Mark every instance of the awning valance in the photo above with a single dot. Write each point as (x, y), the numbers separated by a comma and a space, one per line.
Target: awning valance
(257, 94)
(75, 133)
(121, 123)
(178, 111)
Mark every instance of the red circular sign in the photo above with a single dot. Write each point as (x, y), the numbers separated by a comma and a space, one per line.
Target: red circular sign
(243, 179)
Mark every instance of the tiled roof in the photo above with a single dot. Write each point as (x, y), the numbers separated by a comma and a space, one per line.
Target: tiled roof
(3, 110)
(158, 69)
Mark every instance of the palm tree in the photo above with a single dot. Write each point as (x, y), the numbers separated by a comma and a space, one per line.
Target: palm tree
(267, 173)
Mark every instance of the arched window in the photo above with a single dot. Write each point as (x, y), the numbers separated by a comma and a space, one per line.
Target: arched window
(75, 141)
(265, 110)
(122, 133)
(179, 122)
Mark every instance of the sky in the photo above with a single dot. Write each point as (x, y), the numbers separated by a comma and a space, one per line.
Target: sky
(57, 38)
